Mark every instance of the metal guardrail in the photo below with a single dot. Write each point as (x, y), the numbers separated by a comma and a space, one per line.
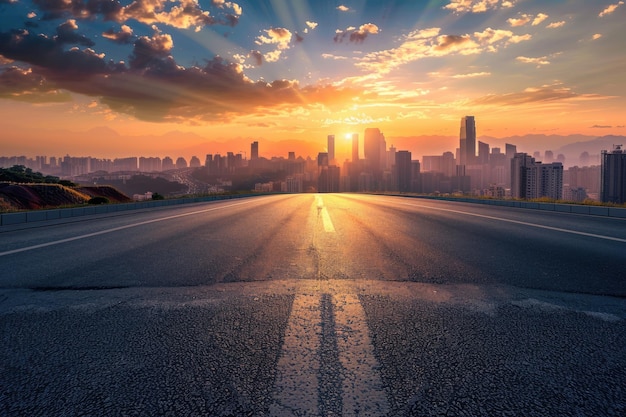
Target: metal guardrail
(7, 219)
(21, 217)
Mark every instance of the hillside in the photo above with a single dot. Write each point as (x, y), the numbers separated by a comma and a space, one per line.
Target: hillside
(41, 196)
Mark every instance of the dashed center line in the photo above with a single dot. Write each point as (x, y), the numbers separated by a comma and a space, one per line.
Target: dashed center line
(328, 223)
(297, 386)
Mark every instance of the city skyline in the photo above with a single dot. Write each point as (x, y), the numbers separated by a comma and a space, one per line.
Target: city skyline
(300, 71)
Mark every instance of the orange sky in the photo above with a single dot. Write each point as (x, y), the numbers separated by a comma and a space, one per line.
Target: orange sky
(236, 70)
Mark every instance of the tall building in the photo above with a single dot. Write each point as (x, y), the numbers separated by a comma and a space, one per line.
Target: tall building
(372, 145)
(331, 149)
(355, 147)
(530, 179)
(467, 141)
(519, 163)
(254, 150)
(613, 176)
(403, 171)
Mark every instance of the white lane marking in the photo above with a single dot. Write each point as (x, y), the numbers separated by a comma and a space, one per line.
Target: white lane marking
(115, 229)
(296, 386)
(540, 226)
(363, 392)
(328, 223)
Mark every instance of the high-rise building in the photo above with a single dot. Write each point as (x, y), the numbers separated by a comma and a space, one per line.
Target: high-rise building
(331, 149)
(372, 146)
(519, 163)
(467, 141)
(355, 147)
(530, 179)
(483, 153)
(254, 150)
(613, 176)
(403, 171)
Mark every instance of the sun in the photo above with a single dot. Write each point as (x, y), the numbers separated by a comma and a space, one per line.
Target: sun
(348, 136)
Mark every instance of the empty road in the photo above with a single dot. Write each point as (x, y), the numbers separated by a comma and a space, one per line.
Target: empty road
(315, 305)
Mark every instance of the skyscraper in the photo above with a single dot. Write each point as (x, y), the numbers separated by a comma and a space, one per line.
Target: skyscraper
(403, 171)
(254, 150)
(467, 143)
(372, 145)
(355, 147)
(613, 176)
(331, 149)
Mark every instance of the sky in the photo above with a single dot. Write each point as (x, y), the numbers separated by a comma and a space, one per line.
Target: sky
(278, 70)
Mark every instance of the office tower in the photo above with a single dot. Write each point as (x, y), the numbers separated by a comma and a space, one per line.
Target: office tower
(483, 153)
(331, 149)
(613, 176)
(403, 171)
(254, 150)
(355, 147)
(372, 145)
(467, 140)
(291, 156)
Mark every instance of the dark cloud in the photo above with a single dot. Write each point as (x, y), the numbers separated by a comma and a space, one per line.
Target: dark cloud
(67, 33)
(150, 51)
(451, 41)
(49, 55)
(123, 36)
(601, 127)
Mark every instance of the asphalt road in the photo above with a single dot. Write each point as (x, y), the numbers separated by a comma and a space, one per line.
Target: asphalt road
(315, 305)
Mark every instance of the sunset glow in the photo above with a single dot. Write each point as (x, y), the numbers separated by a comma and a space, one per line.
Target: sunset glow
(192, 76)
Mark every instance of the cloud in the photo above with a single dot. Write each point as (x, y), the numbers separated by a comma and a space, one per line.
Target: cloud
(356, 35)
(257, 57)
(538, 61)
(601, 127)
(150, 51)
(50, 55)
(334, 57)
(24, 85)
(311, 25)
(477, 6)
(596, 36)
(472, 75)
(182, 14)
(527, 18)
(429, 43)
(536, 95)
(539, 18)
(278, 36)
(342, 8)
(66, 33)
(521, 21)
(124, 35)
(555, 25)
(610, 9)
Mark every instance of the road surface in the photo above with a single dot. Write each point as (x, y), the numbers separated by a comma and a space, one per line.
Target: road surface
(315, 305)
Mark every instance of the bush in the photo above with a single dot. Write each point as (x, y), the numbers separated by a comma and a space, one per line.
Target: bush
(98, 200)
(157, 196)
